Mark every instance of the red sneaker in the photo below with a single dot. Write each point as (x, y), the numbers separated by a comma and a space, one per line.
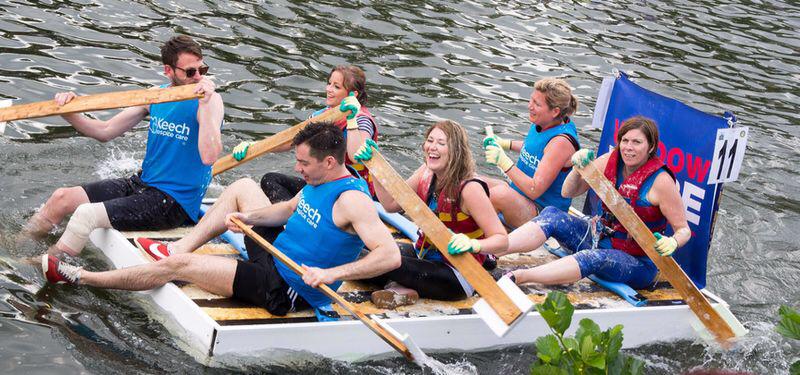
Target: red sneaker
(58, 272)
(156, 249)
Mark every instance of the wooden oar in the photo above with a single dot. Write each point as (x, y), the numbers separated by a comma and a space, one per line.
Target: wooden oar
(508, 310)
(96, 102)
(710, 318)
(281, 138)
(404, 345)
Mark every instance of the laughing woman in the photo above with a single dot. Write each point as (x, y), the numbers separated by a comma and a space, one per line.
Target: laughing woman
(543, 162)
(645, 182)
(446, 182)
(346, 89)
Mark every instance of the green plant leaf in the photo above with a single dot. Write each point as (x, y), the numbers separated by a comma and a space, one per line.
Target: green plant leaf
(547, 370)
(556, 311)
(587, 348)
(789, 325)
(614, 343)
(597, 360)
(548, 350)
(587, 327)
(571, 344)
(795, 368)
(634, 366)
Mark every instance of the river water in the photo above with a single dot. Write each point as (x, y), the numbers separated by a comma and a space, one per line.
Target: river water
(472, 61)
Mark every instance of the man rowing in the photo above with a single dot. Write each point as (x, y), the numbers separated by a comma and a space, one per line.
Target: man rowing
(182, 143)
(327, 225)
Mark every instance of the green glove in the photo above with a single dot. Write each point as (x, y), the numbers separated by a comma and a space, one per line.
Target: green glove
(240, 151)
(495, 155)
(505, 144)
(364, 152)
(351, 104)
(460, 243)
(665, 246)
(582, 157)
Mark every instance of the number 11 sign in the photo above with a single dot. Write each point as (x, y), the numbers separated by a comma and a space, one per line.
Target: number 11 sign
(728, 154)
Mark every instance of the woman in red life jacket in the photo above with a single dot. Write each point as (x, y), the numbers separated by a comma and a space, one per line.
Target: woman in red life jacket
(543, 164)
(346, 90)
(645, 183)
(447, 183)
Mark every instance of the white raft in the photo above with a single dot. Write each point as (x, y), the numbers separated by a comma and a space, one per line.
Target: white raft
(218, 326)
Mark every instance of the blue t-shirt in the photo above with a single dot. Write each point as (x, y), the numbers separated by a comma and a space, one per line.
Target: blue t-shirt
(532, 153)
(172, 161)
(312, 238)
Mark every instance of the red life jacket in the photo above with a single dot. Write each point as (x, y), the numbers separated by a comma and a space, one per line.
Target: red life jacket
(449, 212)
(630, 189)
(358, 167)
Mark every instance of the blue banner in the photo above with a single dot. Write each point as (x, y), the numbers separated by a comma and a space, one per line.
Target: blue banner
(686, 146)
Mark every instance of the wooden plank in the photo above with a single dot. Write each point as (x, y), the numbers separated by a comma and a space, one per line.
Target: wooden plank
(217, 249)
(667, 265)
(439, 235)
(174, 233)
(282, 138)
(96, 102)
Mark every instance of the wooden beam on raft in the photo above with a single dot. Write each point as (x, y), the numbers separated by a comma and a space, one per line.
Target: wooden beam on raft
(86, 103)
(439, 235)
(698, 303)
(282, 138)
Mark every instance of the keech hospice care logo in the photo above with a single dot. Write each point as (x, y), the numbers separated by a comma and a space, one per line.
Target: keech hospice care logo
(169, 129)
(310, 214)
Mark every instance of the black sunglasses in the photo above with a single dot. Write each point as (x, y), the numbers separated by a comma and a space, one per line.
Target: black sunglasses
(192, 71)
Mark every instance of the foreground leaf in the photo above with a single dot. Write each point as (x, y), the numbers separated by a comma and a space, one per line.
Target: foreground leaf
(547, 370)
(548, 350)
(789, 325)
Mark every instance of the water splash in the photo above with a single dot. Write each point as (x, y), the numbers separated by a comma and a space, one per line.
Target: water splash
(119, 163)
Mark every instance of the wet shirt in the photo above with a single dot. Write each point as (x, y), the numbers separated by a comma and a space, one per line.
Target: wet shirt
(312, 238)
(172, 161)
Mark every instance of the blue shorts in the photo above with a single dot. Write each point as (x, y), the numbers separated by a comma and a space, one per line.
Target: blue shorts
(604, 261)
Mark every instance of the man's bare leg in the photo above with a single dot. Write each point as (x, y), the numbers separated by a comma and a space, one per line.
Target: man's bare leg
(61, 203)
(86, 218)
(211, 273)
(242, 195)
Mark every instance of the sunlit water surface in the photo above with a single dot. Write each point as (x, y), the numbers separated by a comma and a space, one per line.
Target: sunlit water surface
(474, 62)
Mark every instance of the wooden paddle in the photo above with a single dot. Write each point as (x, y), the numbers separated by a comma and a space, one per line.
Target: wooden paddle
(282, 138)
(710, 318)
(404, 345)
(439, 235)
(96, 102)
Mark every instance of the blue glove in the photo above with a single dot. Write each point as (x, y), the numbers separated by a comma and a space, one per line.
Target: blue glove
(665, 246)
(364, 153)
(240, 151)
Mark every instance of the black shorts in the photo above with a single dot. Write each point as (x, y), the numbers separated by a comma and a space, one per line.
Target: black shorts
(132, 205)
(258, 282)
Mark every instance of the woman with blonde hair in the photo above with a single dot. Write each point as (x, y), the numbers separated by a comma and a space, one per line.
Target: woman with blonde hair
(543, 163)
(447, 183)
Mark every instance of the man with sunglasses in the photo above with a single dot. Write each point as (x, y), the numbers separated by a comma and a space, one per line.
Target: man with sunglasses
(183, 142)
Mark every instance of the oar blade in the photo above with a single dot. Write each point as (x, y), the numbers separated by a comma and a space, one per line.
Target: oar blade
(490, 316)
(3, 104)
(418, 356)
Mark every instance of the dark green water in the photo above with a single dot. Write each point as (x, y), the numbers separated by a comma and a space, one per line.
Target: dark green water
(474, 62)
